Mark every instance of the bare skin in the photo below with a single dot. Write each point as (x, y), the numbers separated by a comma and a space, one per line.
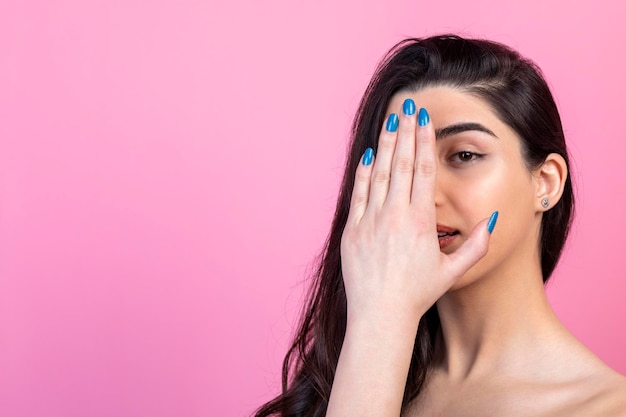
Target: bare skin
(502, 351)
(531, 367)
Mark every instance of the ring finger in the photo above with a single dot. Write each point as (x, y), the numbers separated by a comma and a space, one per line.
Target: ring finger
(381, 173)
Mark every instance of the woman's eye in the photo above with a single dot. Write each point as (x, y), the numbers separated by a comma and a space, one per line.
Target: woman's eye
(465, 156)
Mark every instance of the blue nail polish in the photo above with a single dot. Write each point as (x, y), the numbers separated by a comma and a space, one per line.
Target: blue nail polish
(367, 157)
(408, 107)
(492, 221)
(423, 118)
(392, 122)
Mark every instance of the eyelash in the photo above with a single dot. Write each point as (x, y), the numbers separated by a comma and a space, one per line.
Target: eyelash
(456, 157)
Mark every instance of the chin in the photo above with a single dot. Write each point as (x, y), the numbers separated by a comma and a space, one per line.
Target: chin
(462, 283)
(475, 274)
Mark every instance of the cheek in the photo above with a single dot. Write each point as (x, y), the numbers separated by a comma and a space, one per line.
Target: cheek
(494, 186)
(509, 195)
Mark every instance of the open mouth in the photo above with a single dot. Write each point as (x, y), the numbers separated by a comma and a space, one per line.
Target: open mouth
(446, 236)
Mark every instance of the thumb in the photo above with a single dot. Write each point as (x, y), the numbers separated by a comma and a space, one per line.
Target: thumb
(473, 249)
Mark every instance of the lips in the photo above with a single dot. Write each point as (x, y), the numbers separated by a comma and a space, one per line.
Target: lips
(446, 235)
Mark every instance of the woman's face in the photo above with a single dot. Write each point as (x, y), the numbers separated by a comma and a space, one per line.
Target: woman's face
(480, 170)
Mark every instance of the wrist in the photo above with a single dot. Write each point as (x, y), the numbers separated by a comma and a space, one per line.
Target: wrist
(385, 316)
(383, 325)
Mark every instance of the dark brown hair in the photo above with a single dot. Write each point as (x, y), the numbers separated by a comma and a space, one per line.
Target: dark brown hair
(518, 94)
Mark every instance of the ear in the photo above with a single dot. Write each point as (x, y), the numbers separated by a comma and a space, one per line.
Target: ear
(550, 180)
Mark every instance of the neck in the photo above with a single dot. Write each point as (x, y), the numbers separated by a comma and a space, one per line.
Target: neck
(489, 324)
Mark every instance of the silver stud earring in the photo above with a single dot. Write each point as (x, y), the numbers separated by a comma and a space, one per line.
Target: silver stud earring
(545, 202)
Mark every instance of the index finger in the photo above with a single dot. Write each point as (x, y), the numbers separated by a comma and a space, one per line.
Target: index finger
(425, 174)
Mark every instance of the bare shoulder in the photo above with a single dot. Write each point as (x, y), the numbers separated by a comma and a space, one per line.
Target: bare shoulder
(606, 395)
(613, 399)
(593, 387)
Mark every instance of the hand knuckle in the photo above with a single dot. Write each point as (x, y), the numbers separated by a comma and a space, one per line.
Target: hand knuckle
(359, 200)
(404, 165)
(394, 223)
(427, 168)
(382, 176)
(422, 223)
(362, 177)
(387, 142)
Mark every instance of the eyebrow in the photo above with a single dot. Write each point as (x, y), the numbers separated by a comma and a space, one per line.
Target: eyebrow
(456, 128)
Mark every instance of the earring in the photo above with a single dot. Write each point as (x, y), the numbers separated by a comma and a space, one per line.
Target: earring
(545, 202)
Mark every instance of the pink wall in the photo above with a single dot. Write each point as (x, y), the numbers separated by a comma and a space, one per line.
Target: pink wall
(169, 169)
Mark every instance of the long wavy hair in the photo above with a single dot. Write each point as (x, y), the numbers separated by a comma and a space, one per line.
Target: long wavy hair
(516, 91)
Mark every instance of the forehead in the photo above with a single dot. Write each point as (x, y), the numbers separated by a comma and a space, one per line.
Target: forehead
(449, 105)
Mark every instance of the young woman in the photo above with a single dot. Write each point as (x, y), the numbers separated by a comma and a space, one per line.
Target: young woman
(453, 211)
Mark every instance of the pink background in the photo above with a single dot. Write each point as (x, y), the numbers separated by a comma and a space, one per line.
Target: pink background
(169, 170)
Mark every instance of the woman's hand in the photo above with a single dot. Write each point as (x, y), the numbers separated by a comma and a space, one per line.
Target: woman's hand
(392, 266)
(391, 261)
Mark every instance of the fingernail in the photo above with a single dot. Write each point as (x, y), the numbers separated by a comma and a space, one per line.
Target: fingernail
(408, 107)
(492, 221)
(423, 118)
(392, 122)
(367, 157)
